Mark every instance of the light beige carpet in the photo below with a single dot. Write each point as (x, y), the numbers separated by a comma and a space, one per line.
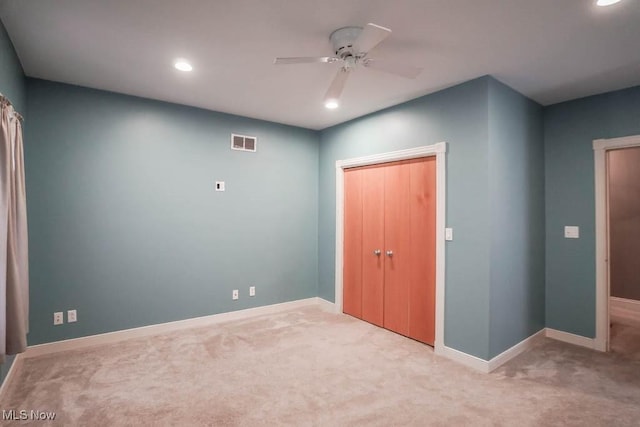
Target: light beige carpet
(309, 367)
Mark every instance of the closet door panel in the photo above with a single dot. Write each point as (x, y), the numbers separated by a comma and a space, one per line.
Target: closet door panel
(352, 268)
(422, 250)
(397, 232)
(373, 240)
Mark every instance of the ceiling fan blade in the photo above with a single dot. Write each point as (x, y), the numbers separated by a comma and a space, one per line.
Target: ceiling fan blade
(370, 37)
(304, 60)
(393, 67)
(337, 85)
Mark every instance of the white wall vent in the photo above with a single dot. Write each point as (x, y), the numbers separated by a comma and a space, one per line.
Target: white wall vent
(244, 142)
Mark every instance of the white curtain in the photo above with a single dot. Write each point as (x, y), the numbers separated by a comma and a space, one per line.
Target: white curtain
(14, 267)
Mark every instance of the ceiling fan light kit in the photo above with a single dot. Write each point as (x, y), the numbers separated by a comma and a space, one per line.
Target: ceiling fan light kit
(342, 40)
(331, 104)
(351, 46)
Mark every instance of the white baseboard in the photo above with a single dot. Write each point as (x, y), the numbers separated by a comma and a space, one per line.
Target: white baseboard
(15, 366)
(516, 350)
(145, 331)
(624, 310)
(463, 358)
(473, 362)
(571, 338)
(327, 305)
(487, 366)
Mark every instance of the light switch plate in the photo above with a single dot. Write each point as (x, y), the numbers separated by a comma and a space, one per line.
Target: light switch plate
(571, 232)
(72, 316)
(448, 234)
(219, 185)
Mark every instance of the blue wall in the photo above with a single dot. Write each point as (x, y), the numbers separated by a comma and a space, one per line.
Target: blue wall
(12, 85)
(516, 181)
(124, 222)
(569, 131)
(459, 116)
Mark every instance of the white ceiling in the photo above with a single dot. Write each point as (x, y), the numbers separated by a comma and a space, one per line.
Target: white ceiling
(549, 50)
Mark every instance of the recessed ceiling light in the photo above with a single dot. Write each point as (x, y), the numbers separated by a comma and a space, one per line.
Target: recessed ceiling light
(331, 104)
(606, 2)
(183, 65)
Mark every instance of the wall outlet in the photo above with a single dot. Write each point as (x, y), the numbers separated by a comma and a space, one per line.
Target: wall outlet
(58, 318)
(72, 316)
(252, 291)
(235, 294)
(219, 185)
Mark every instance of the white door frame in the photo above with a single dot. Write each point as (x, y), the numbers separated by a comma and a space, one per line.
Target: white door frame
(600, 147)
(438, 150)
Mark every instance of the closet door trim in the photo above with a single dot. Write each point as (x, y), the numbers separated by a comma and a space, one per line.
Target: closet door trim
(438, 150)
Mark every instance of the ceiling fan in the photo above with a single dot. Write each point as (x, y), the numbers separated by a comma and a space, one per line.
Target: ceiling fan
(351, 46)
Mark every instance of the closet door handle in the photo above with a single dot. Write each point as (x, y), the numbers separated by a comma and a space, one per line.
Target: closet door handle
(377, 252)
(389, 254)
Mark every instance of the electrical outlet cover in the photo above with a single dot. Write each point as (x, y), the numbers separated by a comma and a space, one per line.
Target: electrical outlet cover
(72, 316)
(58, 318)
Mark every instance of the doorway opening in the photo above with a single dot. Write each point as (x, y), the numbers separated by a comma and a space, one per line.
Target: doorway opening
(617, 164)
(623, 197)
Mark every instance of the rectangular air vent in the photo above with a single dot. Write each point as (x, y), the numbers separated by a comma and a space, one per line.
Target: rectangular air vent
(244, 142)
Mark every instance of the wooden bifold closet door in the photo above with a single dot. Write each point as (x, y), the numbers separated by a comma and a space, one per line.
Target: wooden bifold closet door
(389, 246)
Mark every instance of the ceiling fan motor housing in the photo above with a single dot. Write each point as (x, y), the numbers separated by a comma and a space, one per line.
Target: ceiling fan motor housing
(342, 40)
